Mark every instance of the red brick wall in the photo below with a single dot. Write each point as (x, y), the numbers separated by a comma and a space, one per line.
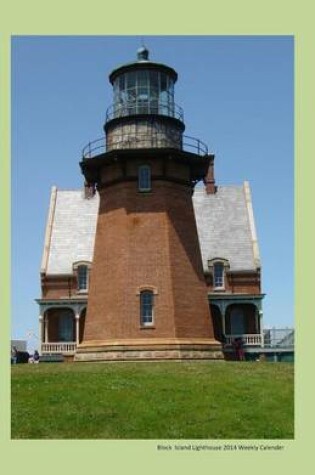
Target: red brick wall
(147, 240)
(171, 169)
(58, 287)
(238, 283)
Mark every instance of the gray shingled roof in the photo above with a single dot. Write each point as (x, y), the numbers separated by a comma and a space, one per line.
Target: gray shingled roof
(225, 227)
(224, 221)
(73, 231)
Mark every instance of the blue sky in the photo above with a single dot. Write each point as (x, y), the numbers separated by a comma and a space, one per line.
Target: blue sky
(237, 96)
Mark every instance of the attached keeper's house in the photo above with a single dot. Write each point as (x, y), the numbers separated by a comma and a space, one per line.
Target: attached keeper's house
(151, 259)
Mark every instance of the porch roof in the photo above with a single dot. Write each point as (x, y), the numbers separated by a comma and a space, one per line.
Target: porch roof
(224, 300)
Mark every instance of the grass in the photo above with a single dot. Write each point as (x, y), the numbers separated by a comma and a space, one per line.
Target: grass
(167, 400)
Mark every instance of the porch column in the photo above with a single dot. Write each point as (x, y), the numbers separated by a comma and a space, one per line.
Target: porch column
(77, 327)
(257, 322)
(222, 307)
(260, 314)
(41, 332)
(46, 329)
(223, 321)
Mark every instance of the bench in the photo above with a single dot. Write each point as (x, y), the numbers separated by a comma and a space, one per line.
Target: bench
(53, 358)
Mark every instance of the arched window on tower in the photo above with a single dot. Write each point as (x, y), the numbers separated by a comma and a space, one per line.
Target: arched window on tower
(146, 307)
(144, 178)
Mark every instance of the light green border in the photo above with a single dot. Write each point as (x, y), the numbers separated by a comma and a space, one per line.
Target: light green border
(242, 17)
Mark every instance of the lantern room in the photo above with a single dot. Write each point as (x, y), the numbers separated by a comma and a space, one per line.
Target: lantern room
(143, 87)
(143, 114)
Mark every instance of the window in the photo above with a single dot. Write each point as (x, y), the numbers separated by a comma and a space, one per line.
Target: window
(144, 178)
(218, 269)
(82, 278)
(218, 275)
(144, 92)
(146, 307)
(81, 272)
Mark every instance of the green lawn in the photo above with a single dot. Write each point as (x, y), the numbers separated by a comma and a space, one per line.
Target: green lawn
(151, 400)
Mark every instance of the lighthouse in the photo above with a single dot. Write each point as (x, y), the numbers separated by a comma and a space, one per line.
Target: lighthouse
(147, 290)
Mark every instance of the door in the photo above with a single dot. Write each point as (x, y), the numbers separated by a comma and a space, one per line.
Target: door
(237, 321)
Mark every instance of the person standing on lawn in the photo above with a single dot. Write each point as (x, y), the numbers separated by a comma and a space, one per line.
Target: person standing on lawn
(239, 349)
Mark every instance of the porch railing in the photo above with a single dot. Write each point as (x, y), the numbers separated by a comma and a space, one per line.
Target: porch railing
(248, 340)
(58, 347)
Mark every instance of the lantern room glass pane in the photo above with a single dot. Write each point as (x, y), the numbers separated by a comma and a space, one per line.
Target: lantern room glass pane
(143, 92)
(142, 79)
(163, 82)
(131, 80)
(154, 83)
(121, 82)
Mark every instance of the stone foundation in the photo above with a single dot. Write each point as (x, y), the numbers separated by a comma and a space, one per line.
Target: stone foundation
(149, 351)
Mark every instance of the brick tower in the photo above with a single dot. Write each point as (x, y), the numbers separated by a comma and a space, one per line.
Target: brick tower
(147, 293)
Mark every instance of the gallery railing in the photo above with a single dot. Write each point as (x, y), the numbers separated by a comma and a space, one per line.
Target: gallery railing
(121, 141)
(144, 107)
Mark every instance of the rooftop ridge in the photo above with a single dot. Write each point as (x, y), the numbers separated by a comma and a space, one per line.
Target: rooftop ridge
(202, 188)
(71, 189)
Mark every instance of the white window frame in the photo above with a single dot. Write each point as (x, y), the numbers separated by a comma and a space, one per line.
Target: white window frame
(218, 284)
(76, 269)
(146, 308)
(83, 278)
(218, 278)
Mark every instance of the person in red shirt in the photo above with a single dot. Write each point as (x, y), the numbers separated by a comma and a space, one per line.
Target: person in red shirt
(239, 350)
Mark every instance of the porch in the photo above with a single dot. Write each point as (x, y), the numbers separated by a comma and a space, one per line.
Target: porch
(237, 316)
(248, 340)
(61, 325)
(64, 348)
(234, 316)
